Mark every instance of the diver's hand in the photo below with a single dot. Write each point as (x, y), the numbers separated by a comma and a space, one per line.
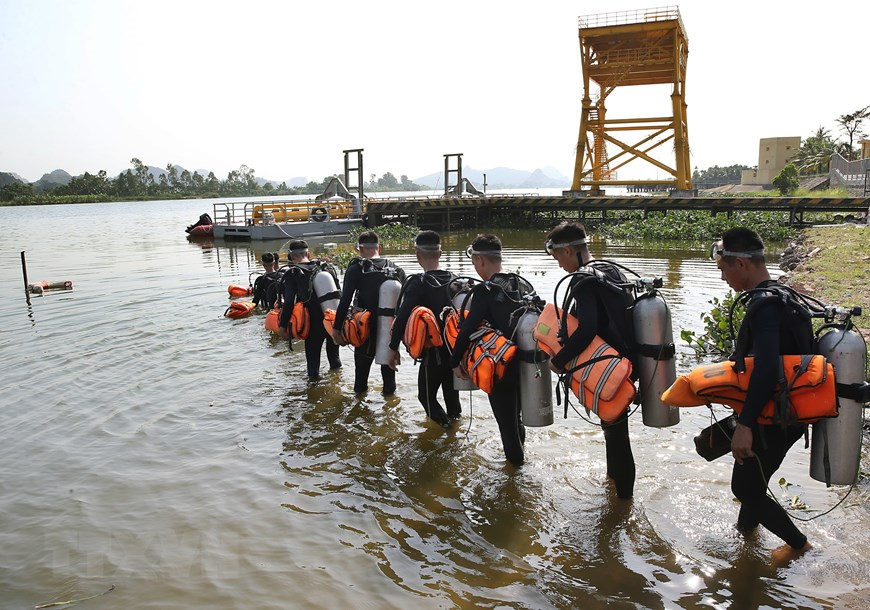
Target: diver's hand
(337, 338)
(741, 443)
(394, 359)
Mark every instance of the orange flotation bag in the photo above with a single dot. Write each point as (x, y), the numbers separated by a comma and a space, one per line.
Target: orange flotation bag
(329, 321)
(272, 320)
(603, 375)
(421, 332)
(236, 290)
(239, 309)
(300, 321)
(356, 327)
(451, 327)
(812, 391)
(488, 356)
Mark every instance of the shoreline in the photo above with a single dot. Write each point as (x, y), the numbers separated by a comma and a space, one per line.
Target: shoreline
(830, 263)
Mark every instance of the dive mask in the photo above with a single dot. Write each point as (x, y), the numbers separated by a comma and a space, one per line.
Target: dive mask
(550, 247)
(717, 251)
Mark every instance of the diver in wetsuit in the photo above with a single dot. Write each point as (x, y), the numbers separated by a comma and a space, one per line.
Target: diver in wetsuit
(496, 300)
(265, 289)
(362, 282)
(600, 310)
(770, 329)
(298, 286)
(428, 289)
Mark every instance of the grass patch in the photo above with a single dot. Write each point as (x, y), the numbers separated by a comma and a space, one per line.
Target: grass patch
(836, 273)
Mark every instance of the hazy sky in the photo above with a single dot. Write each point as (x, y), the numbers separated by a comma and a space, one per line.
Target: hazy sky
(284, 87)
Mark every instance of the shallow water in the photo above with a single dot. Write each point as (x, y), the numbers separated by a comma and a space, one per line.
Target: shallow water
(150, 443)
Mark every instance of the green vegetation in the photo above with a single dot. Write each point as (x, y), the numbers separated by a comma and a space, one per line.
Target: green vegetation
(787, 180)
(800, 192)
(837, 272)
(716, 340)
(717, 176)
(393, 235)
(814, 155)
(690, 224)
(138, 183)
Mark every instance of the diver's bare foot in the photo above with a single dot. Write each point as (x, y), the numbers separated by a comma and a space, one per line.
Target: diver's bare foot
(785, 554)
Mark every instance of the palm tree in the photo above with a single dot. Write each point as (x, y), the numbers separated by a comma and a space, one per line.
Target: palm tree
(814, 155)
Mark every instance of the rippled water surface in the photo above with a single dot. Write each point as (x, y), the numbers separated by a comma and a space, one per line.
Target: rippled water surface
(151, 444)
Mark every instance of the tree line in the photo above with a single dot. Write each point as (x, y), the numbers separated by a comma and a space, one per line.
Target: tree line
(139, 182)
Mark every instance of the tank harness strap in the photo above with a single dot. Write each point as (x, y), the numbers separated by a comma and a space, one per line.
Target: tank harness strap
(658, 352)
(335, 294)
(859, 392)
(385, 311)
(535, 356)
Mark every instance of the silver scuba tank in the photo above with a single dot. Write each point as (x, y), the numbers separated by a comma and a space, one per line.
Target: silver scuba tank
(838, 440)
(656, 373)
(325, 284)
(536, 384)
(388, 296)
(462, 385)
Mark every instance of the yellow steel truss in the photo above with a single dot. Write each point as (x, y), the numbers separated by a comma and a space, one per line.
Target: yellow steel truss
(643, 47)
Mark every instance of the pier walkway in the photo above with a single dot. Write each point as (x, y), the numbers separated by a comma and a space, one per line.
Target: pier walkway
(443, 211)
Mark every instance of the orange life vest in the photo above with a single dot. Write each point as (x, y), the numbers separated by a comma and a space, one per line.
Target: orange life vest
(356, 327)
(607, 388)
(812, 392)
(236, 290)
(300, 321)
(272, 320)
(488, 356)
(421, 332)
(239, 309)
(451, 327)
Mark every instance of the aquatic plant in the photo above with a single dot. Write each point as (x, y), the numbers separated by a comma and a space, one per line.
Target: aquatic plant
(690, 224)
(716, 339)
(391, 235)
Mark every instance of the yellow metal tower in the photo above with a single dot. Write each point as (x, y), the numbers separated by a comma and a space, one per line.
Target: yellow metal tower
(643, 47)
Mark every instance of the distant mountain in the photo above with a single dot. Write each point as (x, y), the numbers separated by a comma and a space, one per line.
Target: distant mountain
(9, 178)
(52, 180)
(503, 177)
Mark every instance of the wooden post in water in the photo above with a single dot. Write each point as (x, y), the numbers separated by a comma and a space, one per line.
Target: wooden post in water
(24, 271)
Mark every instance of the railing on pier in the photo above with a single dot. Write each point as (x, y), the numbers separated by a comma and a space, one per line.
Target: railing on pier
(248, 213)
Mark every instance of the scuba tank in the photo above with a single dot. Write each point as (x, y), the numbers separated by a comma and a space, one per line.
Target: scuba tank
(388, 296)
(536, 386)
(325, 287)
(657, 369)
(463, 297)
(836, 444)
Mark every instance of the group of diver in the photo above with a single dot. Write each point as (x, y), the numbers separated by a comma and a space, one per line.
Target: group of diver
(465, 333)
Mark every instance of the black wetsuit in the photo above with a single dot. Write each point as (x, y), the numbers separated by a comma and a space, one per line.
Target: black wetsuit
(770, 329)
(497, 301)
(430, 289)
(596, 313)
(363, 278)
(298, 287)
(265, 289)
